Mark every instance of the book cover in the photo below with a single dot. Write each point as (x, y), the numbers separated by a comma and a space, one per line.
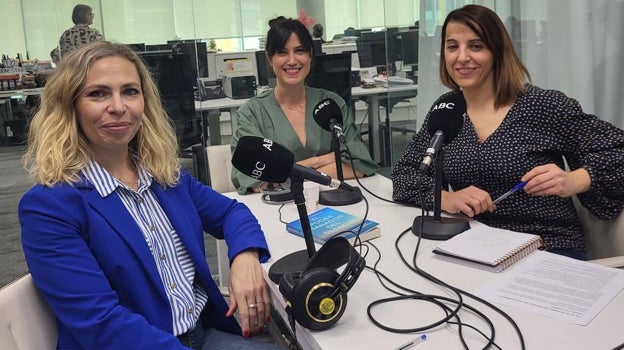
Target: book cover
(329, 222)
(488, 247)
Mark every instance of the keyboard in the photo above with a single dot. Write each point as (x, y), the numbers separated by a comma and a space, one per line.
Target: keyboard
(392, 80)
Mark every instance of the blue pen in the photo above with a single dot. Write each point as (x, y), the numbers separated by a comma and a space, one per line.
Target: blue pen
(508, 193)
(412, 342)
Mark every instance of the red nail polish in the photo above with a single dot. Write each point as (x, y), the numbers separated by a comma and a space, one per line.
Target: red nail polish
(268, 319)
(246, 334)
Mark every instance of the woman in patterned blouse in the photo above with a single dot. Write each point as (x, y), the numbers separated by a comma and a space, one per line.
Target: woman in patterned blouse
(80, 33)
(514, 131)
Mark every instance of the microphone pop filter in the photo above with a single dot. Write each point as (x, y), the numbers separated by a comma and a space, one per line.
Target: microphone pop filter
(263, 159)
(448, 116)
(325, 111)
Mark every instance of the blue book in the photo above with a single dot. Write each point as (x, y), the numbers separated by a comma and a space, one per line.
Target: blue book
(329, 222)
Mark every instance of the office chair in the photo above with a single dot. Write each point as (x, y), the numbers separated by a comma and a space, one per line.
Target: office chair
(386, 129)
(605, 238)
(26, 321)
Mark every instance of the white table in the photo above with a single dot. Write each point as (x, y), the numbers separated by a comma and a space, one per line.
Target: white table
(355, 331)
(20, 92)
(372, 95)
(217, 106)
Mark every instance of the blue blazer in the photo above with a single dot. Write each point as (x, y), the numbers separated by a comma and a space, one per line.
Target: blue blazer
(93, 266)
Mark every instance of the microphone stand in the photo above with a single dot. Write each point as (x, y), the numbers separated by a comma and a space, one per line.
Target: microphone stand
(296, 261)
(437, 227)
(339, 197)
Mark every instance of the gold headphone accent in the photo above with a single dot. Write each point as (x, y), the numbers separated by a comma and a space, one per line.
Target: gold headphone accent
(324, 304)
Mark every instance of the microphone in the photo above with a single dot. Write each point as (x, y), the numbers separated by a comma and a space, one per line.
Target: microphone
(269, 161)
(328, 116)
(445, 122)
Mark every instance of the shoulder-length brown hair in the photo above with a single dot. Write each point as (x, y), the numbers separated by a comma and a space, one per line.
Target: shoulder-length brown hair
(510, 74)
(57, 147)
(82, 14)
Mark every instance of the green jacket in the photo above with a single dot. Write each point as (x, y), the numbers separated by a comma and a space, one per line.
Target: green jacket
(262, 116)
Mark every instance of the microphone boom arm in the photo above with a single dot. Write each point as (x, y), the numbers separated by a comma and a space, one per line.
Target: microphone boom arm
(336, 147)
(296, 187)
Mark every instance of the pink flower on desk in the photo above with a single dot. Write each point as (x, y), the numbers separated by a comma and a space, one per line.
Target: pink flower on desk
(305, 19)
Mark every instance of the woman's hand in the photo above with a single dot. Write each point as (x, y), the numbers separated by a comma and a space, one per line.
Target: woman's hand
(470, 201)
(248, 293)
(551, 180)
(318, 161)
(326, 164)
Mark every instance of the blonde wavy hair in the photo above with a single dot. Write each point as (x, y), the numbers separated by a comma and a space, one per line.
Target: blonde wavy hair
(57, 148)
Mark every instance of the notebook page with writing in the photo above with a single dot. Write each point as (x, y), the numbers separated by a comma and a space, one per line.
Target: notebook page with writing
(489, 246)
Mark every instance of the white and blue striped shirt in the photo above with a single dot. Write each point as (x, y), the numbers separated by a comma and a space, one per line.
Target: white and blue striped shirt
(176, 270)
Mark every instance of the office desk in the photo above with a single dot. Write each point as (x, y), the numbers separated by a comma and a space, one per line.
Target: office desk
(355, 331)
(21, 92)
(218, 105)
(374, 96)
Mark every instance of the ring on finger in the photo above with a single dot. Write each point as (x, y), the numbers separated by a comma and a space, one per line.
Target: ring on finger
(252, 306)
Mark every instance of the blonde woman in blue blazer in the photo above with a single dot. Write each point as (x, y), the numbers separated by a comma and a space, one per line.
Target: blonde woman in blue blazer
(113, 229)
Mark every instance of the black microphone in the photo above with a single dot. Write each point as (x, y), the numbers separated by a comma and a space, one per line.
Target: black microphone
(445, 122)
(328, 116)
(269, 161)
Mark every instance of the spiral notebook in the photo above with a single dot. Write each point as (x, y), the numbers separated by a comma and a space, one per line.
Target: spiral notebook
(488, 247)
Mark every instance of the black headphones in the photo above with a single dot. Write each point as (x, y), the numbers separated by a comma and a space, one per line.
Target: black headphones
(277, 195)
(317, 296)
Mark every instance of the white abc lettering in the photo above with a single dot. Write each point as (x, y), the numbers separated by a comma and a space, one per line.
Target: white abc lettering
(445, 105)
(257, 172)
(321, 106)
(267, 144)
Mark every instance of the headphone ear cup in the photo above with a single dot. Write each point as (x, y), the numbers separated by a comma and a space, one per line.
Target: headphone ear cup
(311, 304)
(287, 285)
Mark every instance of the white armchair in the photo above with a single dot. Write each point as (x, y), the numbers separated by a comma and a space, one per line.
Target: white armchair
(26, 321)
(605, 238)
(220, 170)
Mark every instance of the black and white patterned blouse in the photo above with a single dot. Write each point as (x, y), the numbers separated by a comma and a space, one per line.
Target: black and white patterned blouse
(76, 36)
(540, 128)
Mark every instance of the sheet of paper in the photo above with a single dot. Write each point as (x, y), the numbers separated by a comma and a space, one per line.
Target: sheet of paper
(239, 66)
(556, 286)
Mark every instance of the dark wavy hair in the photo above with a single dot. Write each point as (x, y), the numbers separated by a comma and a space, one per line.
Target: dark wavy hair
(280, 31)
(510, 74)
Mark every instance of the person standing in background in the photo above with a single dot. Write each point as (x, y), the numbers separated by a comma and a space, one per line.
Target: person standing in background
(78, 35)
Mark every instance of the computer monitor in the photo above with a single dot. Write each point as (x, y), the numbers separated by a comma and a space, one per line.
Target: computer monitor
(379, 48)
(175, 77)
(266, 77)
(138, 47)
(393, 44)
(172, 72)
(371, 48)
(317, 47)
(158, 47)
(409, 47)
(333, 73)
(197, 53)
